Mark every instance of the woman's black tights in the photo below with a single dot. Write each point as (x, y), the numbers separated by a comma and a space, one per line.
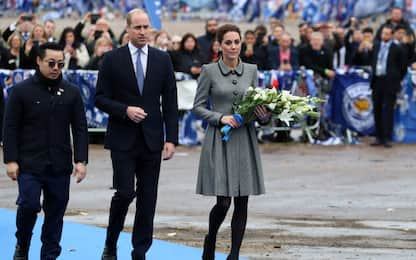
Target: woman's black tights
(238, 225)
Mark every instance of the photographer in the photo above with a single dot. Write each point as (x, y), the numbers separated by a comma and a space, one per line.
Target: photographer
(364, 52)
(98, 27)
(23, 25)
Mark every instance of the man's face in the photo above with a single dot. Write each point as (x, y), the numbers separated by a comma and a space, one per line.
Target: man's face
(396, 15)
(399, 34)
(211, 26)
(285, 41)
(368, 37)
(139, 29)
(277, 32)
(49, 28)
(317, 42)
(51, 65)
(102, 25)
(386, 34)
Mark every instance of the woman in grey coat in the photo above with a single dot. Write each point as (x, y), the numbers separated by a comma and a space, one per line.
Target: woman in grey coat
(233, 168)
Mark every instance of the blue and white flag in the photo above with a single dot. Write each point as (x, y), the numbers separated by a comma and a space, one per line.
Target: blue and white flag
(350, 103)
(153, 9)
(405, 114)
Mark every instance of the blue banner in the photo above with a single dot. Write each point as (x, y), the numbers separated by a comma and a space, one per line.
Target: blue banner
(405, 114)
(350, 104)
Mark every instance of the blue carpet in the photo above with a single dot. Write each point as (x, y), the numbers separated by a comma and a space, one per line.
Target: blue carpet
(81, 242)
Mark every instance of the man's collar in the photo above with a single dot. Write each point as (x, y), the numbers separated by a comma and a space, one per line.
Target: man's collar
(133, 49)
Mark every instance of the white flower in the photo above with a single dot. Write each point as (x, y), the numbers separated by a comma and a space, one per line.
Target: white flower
(257, 96)
(272, 106)
(286, 116)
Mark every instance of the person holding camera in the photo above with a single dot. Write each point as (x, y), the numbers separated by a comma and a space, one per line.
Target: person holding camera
(364, 53)
(31, 46)
(76, 54)
(23, 25)
(98, 27)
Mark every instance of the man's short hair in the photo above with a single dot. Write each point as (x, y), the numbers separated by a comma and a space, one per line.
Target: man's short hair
(48, 46)
(368, 30)
(134, 11)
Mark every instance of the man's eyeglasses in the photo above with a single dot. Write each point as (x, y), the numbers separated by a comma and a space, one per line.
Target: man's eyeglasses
(53, 63)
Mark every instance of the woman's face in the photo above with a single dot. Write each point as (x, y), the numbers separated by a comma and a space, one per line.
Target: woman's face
(231, 45)
(38, 33)
(189, 44)
(69, 38)
(216, 47)
(16, 42)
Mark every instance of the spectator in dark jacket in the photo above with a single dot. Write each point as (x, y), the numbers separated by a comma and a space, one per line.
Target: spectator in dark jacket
(102, 46)
(284, 56)
(317, 58)
(188, 58)
(396, 19)
(363, 55)
(205, 41)
(11, 60)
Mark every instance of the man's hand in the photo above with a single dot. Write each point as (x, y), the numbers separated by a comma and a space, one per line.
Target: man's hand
(80, 171)
(168, 151)
(87, 17)
(136, 114)
(12, 170)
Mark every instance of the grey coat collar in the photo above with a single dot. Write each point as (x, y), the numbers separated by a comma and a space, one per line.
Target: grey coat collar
(225, 71)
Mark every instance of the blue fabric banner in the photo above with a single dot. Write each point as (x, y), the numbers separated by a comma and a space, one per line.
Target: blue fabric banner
(350, 104)
(405, 114)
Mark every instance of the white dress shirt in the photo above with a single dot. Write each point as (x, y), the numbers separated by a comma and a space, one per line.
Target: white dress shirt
(143, 56)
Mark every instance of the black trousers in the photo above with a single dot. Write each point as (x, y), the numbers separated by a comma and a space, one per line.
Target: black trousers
(136, 175)
(384, 100)
(55, 188)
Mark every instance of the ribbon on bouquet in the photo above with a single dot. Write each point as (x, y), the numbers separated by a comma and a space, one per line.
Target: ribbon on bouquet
(226, 130)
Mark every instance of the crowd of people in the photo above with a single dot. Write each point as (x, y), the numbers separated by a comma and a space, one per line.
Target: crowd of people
(322, 47)
(136, 86)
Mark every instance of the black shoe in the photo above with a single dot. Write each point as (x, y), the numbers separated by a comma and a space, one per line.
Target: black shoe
(109, 254)
(209, 249)
(20, 253)
(388, 144)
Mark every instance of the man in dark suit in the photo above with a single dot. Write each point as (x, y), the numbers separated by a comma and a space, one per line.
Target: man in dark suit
(40, 113)
(389, 67)
(131, 82)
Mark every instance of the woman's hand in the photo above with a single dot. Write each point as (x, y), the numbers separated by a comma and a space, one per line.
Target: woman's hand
(230, 120)
(262, 113)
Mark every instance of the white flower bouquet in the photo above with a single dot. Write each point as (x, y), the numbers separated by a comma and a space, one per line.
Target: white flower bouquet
(281, 104)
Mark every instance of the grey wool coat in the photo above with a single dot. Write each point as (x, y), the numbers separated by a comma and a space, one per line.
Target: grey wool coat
(230, 168)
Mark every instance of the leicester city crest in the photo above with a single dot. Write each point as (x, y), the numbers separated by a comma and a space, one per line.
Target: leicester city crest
(357, 106)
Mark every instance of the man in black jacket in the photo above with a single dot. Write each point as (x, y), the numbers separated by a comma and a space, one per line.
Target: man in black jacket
(40, 113)
(205, 41)
(389, 68)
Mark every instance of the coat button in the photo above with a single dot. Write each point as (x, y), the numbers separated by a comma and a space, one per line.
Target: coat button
(235, 92)
(235, 103)
(235, 82)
